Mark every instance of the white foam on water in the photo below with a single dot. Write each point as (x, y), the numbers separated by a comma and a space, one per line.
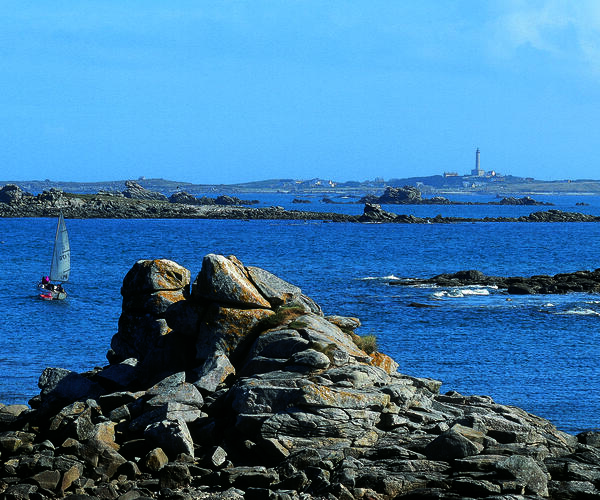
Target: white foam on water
(580, 312)
(454, 293)
(457, 293)
(475, 291)
(380, 278)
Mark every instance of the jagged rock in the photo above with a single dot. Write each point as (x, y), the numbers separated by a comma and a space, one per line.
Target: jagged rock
(121, 374)
(590, 438)
(74, 421)
(213, 372)
(525, 200)
(224, 280)
(69, 476)
(374, 213)
(214, 458)
(9, 414)
(173, 436)
(526, 473)
(156, 459)
(147, 276)
(183, 197)
(13, 441)
(224, 330)
(135, 191)
(11, 194)
(174, 475)
(404, 195)
(174, 389)
(103, 457)
(59, 386)
(277, 291)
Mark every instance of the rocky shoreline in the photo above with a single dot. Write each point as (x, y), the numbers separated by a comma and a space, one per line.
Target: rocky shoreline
(137, 203)
(238, 386)
(578, 281)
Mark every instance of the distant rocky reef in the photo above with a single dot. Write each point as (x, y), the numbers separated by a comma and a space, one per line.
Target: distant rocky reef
(410, 195)
(136, 202)
(238, 386)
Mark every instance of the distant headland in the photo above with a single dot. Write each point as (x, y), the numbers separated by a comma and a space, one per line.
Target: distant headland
(444, 184)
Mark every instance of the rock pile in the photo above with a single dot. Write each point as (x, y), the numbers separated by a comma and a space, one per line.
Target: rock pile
(240, 387)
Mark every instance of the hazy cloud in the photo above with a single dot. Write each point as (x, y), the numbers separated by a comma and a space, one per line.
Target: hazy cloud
(565, 30)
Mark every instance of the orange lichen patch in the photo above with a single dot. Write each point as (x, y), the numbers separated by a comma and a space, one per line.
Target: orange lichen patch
(224, 329)
(320, 395)
(222, 280)
(384, 362)
(171, 296)
(240, 323)
(168, 275)
(239, 264)
(105, 433)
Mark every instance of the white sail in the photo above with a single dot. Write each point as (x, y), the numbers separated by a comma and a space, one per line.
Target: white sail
(61, 257)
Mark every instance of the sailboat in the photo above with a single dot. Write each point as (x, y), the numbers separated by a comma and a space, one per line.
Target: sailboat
(51, 286)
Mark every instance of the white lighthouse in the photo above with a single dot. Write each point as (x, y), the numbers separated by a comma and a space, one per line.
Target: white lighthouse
(477, 170)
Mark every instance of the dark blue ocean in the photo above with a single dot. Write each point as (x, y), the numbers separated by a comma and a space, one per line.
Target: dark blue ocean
(540, 353)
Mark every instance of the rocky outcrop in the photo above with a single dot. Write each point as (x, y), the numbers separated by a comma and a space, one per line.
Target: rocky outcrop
(108, 205)
(578, 281)
(12, 194)
(404, 195)
(525, 200)
(183, 197)
(236, 385)
(135, 191)
(411, 195)
(374, 213)
(15, 203)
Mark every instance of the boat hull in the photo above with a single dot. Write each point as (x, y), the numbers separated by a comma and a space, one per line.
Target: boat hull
(53, 295)
(47, 294)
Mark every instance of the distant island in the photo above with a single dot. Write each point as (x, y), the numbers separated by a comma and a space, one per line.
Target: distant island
(446, 184)
(137, 202)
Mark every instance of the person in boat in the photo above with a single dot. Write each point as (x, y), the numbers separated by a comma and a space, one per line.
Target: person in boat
(45, 283)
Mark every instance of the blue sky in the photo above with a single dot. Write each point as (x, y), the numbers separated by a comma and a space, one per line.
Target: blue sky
(233, 91)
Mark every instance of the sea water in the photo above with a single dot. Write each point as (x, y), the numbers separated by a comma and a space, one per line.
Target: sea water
(538, 352)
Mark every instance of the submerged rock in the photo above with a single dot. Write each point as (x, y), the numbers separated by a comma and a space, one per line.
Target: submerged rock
(242, 388)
